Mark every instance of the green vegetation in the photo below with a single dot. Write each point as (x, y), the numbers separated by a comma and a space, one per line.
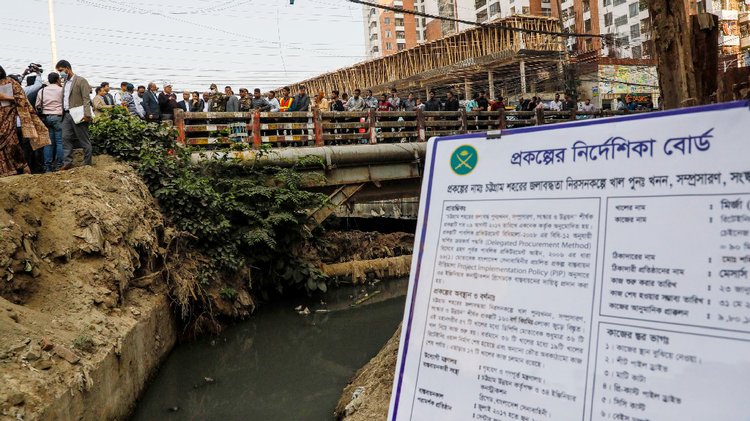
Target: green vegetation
(248, 221)
(84, 343)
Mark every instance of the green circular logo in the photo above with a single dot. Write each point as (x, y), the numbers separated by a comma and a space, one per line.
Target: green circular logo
(464, 160)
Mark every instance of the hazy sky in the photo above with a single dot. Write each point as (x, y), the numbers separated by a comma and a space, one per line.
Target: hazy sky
(189, 43)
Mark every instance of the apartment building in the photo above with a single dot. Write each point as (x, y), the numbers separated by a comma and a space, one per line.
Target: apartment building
(745, 37)
(388, 32)
(628, 23)
(479, 11)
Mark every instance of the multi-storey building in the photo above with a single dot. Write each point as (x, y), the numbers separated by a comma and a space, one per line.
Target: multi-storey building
(628, 24)
(388, 32)
(745, 37)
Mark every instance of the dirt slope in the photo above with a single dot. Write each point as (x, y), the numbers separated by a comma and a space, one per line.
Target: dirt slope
(72, 249)
(367, 396)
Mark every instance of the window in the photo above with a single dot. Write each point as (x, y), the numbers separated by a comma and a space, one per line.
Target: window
(642, 5)
(586, 5)
(608, 19)
(525, 10)
(400, 35)
(637, 52)
(646, 49)
(635, 31)
(606, 3)
(589, 44)
(619, 2)
(622, 41)
(401, 47)
(482, 16)
(388, 34)
(494, 9)
(621, 20)
(387, 21)
(645, 26)
(513, 10)
(375, 49)
(479, 3)
(399, 21)
(587, 25)
(633, 9)
(388, 46)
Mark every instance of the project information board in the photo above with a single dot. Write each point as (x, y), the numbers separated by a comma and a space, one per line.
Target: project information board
(595, 270)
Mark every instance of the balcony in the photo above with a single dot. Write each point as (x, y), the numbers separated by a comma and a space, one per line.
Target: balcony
(729, 40)
(745, 42)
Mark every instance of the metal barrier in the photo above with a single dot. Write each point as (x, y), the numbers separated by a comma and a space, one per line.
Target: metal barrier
(356, 127)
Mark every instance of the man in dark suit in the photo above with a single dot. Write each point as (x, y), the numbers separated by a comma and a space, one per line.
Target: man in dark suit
(185, 103)
(76, 99)
(167, 102)
(151, 104)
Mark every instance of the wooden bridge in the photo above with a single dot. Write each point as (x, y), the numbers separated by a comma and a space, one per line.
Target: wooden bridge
(363, 127)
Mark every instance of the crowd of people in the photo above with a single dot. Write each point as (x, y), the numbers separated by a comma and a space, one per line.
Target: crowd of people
(41, 121)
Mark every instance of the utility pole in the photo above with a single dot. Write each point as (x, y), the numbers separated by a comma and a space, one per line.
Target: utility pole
(52, 35)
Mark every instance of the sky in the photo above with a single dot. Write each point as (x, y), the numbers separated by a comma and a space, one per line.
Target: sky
(188, 43)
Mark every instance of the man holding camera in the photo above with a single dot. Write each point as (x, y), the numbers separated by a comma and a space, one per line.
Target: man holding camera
(76, 102)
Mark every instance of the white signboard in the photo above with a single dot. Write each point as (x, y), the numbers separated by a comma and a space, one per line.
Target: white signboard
(595, 270)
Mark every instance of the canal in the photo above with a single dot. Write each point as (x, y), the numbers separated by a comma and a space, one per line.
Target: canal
(279, 365)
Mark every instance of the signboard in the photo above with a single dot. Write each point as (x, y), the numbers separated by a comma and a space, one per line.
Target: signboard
(623, 79)
(593, 270)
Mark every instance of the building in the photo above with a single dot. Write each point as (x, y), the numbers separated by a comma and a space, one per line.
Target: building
(388, 32)
(479, 11)
(745, 38)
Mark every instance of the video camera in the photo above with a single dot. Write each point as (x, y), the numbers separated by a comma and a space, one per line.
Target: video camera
(33, 68)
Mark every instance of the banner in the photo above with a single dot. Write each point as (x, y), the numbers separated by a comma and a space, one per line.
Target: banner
(592, 270)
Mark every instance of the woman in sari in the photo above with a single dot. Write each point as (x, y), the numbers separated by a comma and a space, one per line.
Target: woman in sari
(11, 154)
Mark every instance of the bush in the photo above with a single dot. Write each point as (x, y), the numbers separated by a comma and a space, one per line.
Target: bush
(240, 216)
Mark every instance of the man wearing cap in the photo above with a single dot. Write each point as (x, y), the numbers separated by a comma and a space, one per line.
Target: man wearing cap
(218, 101)
(167, 102)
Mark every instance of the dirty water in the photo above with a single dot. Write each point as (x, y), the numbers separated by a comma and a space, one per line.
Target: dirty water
(279, 365)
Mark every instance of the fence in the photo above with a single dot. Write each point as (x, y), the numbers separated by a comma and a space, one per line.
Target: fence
(333, 128)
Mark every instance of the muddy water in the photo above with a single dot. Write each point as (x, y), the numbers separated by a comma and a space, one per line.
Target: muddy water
(277, 366)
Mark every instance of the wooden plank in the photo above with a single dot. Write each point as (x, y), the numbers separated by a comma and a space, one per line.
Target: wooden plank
(287, 126)
(218, 116)
(346, 136)
(397, 124)
(347, 125)
(286, 138)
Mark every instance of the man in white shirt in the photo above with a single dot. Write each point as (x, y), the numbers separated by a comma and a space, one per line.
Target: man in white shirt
(139, 101)
(118, 96)
(275, 106)
(588, 107)
(556, 105)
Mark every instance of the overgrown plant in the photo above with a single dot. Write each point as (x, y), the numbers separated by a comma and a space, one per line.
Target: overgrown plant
(248, 220)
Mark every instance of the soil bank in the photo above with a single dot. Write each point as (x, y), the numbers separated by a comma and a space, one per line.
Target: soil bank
(83, 321)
